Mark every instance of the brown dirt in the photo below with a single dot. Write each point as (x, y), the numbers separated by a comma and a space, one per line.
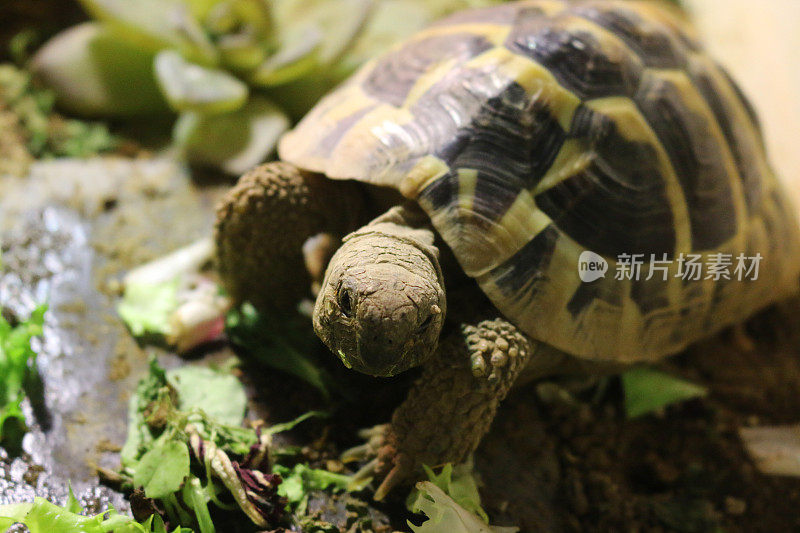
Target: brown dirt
(562, 466)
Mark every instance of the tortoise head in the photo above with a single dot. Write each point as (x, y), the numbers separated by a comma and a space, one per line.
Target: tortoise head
(382, 302)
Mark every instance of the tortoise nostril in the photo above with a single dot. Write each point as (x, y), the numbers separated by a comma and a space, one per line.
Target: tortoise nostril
(425, 324)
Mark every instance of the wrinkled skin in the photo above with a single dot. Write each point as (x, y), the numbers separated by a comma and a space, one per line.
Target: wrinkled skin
(382, 303)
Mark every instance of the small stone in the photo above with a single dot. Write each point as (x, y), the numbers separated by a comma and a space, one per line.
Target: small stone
(513, 351)
(502, 344)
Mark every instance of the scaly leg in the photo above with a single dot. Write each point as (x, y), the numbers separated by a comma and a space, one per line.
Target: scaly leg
(451, 406)
(263, 223)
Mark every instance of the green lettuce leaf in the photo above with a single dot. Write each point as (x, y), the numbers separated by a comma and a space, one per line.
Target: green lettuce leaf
(162, 470)
(278, 344)
(301, 479)
(42, 516)
(444, 514)
(219, 395)
(147, 307)
(17, 371)
(648, 390)
(457, 482)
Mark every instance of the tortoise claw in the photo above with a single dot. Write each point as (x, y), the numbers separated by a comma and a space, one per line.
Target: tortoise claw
(374, 438)
(395, 476)
(364, 476)
(379, 458)
(357, 453)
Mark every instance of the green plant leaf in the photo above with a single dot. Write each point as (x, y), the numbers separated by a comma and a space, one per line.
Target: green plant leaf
(234, 142)
(42, 516)
(299, 480)
(444, 514)
(457, 482)
(94, 72)
(280, 345)
(146, 307)
(163, 469)
(156, 24)
(648, 390)
(17, 368)
(297, 56)
(219, 395)
(190, 87)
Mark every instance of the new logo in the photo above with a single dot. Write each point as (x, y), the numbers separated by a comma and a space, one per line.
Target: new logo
(591, 267)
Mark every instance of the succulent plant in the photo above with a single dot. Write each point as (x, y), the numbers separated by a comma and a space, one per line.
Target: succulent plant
(236, 73)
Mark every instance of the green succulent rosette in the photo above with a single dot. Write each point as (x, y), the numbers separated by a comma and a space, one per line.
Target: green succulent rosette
(236, 73)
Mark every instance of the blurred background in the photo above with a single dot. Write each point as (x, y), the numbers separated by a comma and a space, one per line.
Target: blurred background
(759, 42)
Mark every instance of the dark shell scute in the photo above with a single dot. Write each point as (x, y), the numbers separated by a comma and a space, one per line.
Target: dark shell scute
(577, 57)
(512, 142)
(441, 193)
(698, 158)
(655, 44)
(528, 267)
(616, 203)
(744, 145)
(393, 77)
(743, 99)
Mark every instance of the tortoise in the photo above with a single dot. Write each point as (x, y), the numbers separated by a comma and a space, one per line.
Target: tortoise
(514, 145)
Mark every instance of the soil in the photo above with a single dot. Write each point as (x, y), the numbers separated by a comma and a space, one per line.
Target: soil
(581, 466)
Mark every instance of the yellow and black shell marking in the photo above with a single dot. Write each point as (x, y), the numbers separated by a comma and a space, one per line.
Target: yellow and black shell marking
(534, 131)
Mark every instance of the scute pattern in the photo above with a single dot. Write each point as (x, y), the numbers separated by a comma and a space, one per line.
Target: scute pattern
(617, 203)
(655, 47)
(393, 77)
(534, 131)
(589, 63)
(697, 155)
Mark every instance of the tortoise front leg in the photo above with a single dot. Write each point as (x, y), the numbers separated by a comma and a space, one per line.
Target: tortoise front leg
(263, 223)
(451, 406)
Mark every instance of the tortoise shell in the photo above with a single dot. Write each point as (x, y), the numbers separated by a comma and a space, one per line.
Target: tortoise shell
(535, 131)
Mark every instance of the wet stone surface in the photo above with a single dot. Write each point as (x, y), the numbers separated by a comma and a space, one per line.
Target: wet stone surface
(66, 237)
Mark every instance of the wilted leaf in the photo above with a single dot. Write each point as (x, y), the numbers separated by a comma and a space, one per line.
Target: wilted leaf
(190, 87)
(647, 390)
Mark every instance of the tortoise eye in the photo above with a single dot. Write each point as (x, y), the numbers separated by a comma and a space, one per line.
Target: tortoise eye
(345, 302)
